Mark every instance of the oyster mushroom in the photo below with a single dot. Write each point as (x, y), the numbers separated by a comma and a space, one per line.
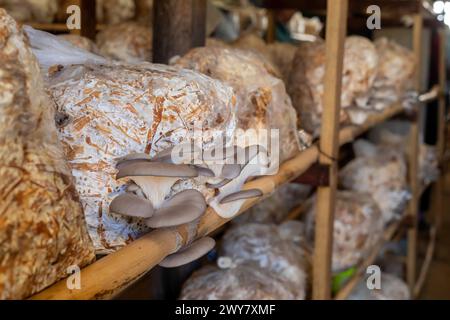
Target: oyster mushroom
(190, 253)
(182, 208)
(155, 178)
(231, 197)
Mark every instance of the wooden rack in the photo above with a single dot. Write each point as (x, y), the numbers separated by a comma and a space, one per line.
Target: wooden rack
(110, 275)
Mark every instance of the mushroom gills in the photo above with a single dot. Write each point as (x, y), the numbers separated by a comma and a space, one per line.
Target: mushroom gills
(182, 208)
(154, 178)
(189, 254)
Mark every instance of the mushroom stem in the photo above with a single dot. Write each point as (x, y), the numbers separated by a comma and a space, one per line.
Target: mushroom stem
(189, 254)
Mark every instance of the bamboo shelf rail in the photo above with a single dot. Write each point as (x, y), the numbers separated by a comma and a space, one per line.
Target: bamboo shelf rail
(111, 274)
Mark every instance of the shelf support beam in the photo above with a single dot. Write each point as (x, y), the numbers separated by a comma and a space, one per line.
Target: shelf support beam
(413, 158)
(88, 18)
(337, 11)
(178, 27)
(438, 190)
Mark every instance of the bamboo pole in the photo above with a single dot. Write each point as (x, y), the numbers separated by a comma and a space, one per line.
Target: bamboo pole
(438, 189)
(271, 26)
(413, 158)
(426, 264)
(329, 145)
(174, 25)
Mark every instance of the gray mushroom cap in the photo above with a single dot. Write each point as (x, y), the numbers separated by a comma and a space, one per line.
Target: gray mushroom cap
(242, 195)
(184, 207)
(131, 205)
(191, 253)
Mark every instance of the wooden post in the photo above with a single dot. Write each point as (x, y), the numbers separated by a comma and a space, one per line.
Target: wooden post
(413, 158)
(271, 27)
(88, 18)
(438, 189)
(198, 23)
(335, 37)
(178, 26)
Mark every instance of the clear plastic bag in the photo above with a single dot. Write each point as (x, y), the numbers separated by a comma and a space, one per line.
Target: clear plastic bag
(264, 244)
(357, 228)
(244, 282)
(394, 78)
(306, 84)
(380, 172)
(396, 68)
(395, 134)
(129, 42)
(111, 112)
(282, 55)
(39, 11)
(42, 229)
(80, 42)
(392, 288)
(108, 110)
(262, 99)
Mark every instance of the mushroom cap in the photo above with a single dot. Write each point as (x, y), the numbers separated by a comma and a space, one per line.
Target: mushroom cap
(242, 195)
(205, 172)
(191, 253)
(184, 207)
(138, 168)
(231, 171)
(131, 205)
(218, 185)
